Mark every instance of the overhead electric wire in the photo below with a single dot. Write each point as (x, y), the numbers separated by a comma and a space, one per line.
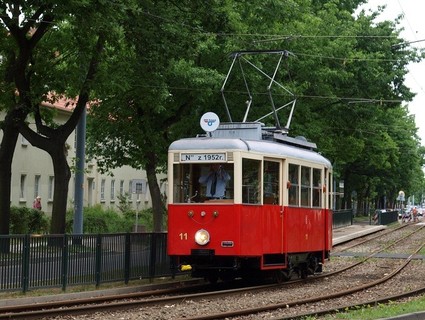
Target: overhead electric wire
(405, 18)
(420, 86)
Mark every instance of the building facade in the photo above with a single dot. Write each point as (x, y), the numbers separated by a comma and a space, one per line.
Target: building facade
(32, 176)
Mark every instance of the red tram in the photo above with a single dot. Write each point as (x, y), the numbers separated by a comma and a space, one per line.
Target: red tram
(274, 215)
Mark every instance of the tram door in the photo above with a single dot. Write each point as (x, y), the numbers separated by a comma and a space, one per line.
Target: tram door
(271, 196)
(271, 182)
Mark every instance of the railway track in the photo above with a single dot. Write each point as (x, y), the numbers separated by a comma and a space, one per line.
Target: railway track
(319, 303)
(162, 298)
(363, 240)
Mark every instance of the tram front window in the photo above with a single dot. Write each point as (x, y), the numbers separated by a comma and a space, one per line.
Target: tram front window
(202, 182)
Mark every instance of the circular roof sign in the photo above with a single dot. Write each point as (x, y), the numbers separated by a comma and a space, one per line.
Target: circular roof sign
(209, 121)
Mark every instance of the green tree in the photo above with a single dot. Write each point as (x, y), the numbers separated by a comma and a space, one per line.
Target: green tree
(350, 83)
(171, 72)
(165, 80)
(55, 52)
(18, 38)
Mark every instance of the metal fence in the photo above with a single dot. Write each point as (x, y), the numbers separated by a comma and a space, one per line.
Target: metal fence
(342, 218)
(32, 262)
(385, 217)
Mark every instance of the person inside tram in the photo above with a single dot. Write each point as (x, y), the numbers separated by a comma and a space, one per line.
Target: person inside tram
(215, 180)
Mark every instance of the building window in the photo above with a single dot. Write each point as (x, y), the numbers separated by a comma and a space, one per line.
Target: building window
(102, 190)
(130, 188)
(51, 187)
(122, 187)
(112, 190)
(22, 186)
(37, 185)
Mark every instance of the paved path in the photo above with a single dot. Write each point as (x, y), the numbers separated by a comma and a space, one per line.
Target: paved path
(345, 234)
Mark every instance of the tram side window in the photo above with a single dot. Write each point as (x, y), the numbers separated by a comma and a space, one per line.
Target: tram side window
(293, 185)
(317, 190)
(271, 182)
(305, 186)
(251, 181)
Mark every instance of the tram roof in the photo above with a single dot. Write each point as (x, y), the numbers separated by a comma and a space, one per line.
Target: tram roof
(266, 147)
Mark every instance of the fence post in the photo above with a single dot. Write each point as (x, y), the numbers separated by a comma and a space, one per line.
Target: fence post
(26, 263)
(127, 261)
(65, 259)
(98, 259)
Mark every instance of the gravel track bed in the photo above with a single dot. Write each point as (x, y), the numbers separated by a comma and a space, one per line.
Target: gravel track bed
(409, 279)
(371, 270)
(382, 241)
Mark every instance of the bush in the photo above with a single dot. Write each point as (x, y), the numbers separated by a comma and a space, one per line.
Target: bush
(25, 220)
(145, 218)
(99, 220)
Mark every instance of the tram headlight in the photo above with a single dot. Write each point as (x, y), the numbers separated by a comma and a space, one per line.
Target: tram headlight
(202, 237)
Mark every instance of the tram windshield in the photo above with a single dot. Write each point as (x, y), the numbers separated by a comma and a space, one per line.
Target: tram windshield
(202, 182)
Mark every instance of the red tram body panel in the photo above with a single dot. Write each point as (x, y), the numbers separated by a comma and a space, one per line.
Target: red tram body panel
(251, 231)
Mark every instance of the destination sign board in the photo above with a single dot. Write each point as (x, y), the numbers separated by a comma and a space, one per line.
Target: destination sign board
(203, 157)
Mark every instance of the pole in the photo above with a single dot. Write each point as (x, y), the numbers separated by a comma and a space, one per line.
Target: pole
(136, 227)
(79, 174)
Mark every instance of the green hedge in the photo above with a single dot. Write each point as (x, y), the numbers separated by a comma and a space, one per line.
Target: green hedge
(95, 220)
(99, 220)
(27, 220)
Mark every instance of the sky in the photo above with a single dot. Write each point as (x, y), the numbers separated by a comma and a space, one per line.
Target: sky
(414, 30)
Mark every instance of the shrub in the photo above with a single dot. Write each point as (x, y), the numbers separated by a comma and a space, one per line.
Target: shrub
(25, 220)
(99, 220)
(145, 218)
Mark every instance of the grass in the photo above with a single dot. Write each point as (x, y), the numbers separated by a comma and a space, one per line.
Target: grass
(392, 309)
(84, 288)
(361, 218)
(70, 289)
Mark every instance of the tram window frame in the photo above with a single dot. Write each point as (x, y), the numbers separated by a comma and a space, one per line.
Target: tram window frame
(293, 184)
(251, 181)
(186, 185)
(306, 186)
(317, 188)
(328, 183)
(271, 182)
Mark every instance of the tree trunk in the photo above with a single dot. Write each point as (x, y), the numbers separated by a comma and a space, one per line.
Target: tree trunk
(7, 149)
(157, 205)
(61, 185)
